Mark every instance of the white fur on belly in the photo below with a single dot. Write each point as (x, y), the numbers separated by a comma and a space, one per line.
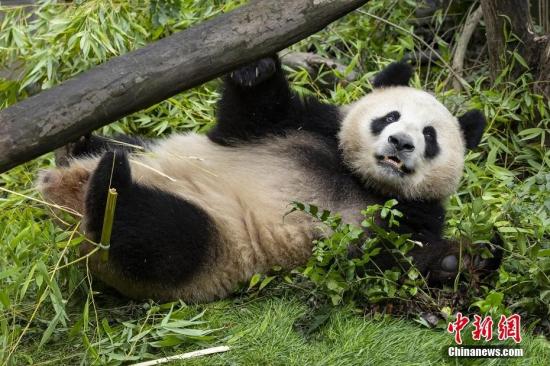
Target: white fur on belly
(246, 190)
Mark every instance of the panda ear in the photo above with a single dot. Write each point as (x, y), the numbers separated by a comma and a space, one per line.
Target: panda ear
(472, 124)
(395, 74)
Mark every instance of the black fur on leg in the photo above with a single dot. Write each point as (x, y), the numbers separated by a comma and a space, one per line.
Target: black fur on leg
(157, 237)
(476, 263)
(113, 171)
(253, 105)
(257, 102)
(439, 261)
(434, 259)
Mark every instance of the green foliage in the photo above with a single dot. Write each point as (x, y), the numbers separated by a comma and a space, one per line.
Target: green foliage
(164, 326)
(342, 277)
(65, 40)
(50, 311)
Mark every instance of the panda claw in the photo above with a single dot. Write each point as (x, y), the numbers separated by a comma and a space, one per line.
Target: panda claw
(255, 73)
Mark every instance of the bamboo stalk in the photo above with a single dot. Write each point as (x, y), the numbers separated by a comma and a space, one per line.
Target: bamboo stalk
(108, 219)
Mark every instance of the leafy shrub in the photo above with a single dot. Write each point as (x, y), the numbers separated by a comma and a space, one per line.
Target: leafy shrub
(343, 277)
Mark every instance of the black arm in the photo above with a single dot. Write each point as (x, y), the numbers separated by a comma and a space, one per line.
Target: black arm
(91, 145)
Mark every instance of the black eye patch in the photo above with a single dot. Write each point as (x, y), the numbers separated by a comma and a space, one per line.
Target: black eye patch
(378, 124)
(432, 147)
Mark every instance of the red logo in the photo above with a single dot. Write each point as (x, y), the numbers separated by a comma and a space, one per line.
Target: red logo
(508, 327)
(457, 327)
(483, 329)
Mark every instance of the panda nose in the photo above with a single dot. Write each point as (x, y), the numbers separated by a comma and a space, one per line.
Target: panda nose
(401, 141)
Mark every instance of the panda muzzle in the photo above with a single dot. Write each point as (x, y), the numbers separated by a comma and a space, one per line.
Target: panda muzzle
(394, 162)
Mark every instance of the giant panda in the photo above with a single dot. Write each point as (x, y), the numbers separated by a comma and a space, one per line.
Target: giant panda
(199, 213)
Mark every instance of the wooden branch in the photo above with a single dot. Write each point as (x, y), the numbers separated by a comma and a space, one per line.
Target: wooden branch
(141, 78)
(462, 44)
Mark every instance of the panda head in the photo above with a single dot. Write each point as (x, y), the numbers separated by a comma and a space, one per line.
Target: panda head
(404, 142)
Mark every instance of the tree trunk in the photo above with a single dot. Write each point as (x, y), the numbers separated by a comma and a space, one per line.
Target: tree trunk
(141, 78)
(501, 16)
(543, 84)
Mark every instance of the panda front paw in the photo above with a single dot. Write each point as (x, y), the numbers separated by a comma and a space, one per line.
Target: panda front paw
(64, 154)
(87, 145)
(255, 73)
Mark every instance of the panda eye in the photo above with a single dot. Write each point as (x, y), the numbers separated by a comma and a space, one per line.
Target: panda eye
(378, 124)
(429, 133)
(432, 147)
(392, 117)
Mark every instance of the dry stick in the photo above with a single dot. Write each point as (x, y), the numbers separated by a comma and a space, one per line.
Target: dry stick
(184, 356)
(62, 208)
(108, 219)
(91, 296)
(311, 62)
(80, 259)
(462, 44)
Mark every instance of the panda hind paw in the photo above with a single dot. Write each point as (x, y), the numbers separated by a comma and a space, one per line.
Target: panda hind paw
(447, 267)
(255, 73)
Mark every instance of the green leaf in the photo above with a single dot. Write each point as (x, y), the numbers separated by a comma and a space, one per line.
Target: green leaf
(167, 341)
(266, 281)
(254, 280)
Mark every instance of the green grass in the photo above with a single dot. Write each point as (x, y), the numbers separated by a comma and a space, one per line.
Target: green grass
(268, 337)
(262, 331)
(51, 312)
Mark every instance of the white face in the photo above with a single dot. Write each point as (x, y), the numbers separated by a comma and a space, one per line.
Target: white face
(404, 142)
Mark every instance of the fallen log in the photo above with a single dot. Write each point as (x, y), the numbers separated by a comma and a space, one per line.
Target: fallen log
(141, 78)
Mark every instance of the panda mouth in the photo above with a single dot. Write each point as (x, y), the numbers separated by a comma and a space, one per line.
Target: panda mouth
(394, 163)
